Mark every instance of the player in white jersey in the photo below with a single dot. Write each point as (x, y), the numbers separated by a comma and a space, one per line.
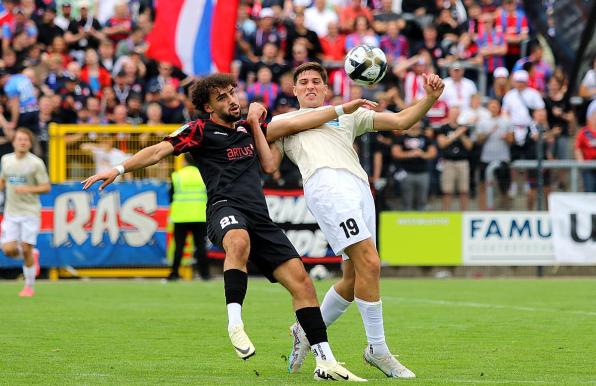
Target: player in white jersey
(24, 177)
(337, 193)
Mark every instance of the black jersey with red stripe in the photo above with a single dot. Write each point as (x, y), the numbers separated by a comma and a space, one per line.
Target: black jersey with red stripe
(228, 162)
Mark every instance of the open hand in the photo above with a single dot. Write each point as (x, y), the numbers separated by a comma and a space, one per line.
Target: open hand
(107, 177)
(352, 106)
(433, 85)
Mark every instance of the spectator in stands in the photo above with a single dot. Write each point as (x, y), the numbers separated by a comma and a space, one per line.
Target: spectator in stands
(414, 80)
(541, 71)
(384, 16)
(333, 45)
(587, 88)
(95, 75)
(173, 110)
(164, 77)
(363, 34)
(394, 45)
(47, 28)
(264, 88)
(539, 124)
(430, 43)
(135, 43)
(286, 95)
(500, 85)
(63, 18)
(105, 154)
(448, 28)
(458, 90)
(106, 54)
(349, 13)
(412, 150)
(265, 33)
(455, 145)
(299, 32)
(299, 55)
(272, 60)
(512, 23)
(119, 26)
(20, 24)
(22, 103)
(491, 46)
(494, 136)
(84, 32)
(134, 108)
(318, 16)
(585, 148)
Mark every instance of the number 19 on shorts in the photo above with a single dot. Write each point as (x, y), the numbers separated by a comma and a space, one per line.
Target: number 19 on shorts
(350, 227)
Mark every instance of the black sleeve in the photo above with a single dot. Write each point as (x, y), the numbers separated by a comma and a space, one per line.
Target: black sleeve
(187, 137)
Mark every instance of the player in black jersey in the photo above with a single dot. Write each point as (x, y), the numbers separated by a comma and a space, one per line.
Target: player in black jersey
(227, 152)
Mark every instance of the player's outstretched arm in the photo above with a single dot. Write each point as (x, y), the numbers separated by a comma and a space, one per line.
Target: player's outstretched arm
(292, 125)
(433, 86)
(143, 158)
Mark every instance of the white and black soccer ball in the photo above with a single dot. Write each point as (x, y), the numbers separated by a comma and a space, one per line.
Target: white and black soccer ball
(365, 64)
(319, 272)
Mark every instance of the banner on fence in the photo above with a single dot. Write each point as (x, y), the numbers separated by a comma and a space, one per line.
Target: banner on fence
(574, 227)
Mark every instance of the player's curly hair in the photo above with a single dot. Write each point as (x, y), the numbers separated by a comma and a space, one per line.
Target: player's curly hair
(310, 66)
(201, 89)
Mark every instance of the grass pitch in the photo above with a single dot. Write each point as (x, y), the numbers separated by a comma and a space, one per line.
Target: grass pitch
(145, 333)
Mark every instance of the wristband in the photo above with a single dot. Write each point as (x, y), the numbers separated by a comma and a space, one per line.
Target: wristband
(120, 169)
(339, 110)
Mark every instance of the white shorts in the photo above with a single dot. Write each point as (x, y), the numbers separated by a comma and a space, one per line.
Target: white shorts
(343, 206)
(20, 228)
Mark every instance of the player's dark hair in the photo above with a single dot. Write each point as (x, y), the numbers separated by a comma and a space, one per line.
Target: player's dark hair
(310, 66)
(201, 89)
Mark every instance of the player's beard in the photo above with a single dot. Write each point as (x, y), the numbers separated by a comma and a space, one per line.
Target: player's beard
(231, 117)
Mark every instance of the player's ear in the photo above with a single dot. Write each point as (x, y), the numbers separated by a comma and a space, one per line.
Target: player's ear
(294, 89)
(207, 108)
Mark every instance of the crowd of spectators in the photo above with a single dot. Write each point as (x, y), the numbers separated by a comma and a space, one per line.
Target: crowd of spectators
(83, 61)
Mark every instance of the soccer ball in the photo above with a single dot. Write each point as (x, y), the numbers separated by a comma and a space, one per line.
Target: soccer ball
(365, 65)
(319, 272)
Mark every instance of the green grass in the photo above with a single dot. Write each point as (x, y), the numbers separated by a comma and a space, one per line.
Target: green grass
(447, 331)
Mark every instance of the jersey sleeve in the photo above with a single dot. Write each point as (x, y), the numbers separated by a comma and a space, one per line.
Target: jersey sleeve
(10, 89)
(187, 137)
(41, 174)
(363, 121)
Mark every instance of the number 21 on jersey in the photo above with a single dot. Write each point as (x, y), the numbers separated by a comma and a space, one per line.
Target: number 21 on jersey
(224, 222)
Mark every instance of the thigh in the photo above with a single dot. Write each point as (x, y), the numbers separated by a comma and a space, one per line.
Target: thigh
(11, 230)
(223, 220)
(270, 247)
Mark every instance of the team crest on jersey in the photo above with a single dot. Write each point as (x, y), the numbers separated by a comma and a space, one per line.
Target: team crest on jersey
(241, 129)
(334, 123)
(178, 130)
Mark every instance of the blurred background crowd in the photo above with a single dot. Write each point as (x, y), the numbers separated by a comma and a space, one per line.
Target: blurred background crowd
(84, 62)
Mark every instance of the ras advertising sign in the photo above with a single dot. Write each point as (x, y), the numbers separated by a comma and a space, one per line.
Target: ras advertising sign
(125, 225)
(507, 238)
(574, 227)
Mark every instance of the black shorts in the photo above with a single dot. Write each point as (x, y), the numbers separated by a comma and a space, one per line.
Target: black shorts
(269, 245)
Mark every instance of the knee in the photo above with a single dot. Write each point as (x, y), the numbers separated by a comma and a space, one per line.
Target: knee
(370, 266)
(10, 251)
(237, 247)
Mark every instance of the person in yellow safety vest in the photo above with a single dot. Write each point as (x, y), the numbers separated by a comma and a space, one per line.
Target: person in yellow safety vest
(187, 212)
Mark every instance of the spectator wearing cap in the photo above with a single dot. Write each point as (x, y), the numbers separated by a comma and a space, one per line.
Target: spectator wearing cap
(511, 21)
(363, 34)
(22, 103)
(458, 90)
(299, 32)
(265, 33)
(94, 74)
(519, 104)
(500, 85)
(394, 45)
(541, 71)
(83, 32)
(413, 150)
(491, 46)
(455, 145)
(349, 13)
(585, 147)
(64, 16)
(20, 24)
(47, 28)
(318, 16)
(119, 26)
(263, 88)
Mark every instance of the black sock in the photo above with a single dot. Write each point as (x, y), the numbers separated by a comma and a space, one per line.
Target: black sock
(235, 282)
(311, 320)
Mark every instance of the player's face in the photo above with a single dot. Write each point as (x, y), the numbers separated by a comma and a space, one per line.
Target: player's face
(224, 103)
(21, 143)
(310, 89)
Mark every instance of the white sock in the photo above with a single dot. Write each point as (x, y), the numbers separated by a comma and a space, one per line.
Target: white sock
(372, 317)
(333, 306)
(29, 273)
(322, 351)
(234, 315)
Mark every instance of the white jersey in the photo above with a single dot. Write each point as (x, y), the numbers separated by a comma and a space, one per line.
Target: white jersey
(329, 145)
(28, 170)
